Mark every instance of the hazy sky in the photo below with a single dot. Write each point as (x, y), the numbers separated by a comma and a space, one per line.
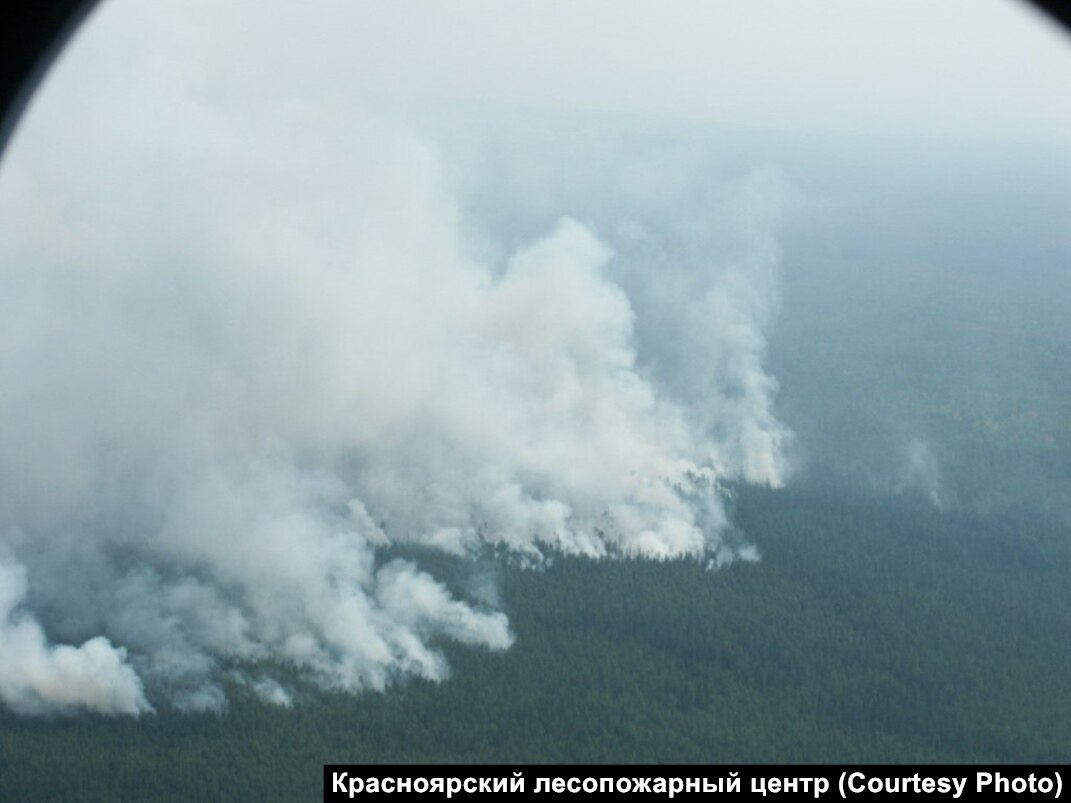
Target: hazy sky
(946, 68)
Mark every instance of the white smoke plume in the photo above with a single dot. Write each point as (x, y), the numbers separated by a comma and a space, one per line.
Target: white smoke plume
(248, 344)
(920, 473)
(39, 678)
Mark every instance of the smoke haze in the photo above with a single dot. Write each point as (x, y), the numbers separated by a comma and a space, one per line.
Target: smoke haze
(250, 348)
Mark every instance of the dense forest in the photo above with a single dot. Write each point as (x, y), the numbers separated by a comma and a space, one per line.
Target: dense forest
(869, 632)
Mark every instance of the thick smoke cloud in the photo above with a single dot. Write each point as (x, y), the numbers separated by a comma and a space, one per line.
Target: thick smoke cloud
(38, 678)
(246, 347)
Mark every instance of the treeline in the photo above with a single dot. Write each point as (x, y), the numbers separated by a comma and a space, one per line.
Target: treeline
(869, 632)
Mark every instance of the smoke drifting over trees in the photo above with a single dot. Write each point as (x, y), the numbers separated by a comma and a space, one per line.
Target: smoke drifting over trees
(247, 345)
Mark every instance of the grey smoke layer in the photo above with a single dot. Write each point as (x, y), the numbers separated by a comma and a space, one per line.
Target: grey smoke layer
(246, 346)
